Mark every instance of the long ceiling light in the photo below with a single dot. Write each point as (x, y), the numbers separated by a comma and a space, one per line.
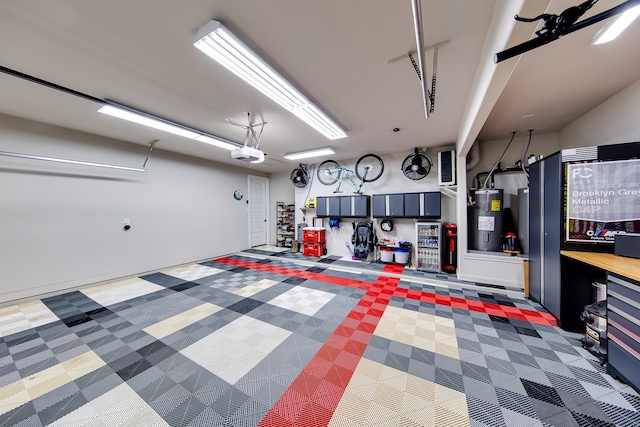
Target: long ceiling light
(310, 153)
(127, 113)
(219, 43)
(617, 26)
(215, 141)
(122, 112)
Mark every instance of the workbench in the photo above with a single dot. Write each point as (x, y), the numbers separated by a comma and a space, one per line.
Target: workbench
(623, 311)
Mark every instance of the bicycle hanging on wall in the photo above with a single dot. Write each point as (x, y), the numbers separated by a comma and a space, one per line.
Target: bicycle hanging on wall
(368, 168)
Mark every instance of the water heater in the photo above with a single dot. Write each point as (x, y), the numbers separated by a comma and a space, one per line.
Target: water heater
(485, 220)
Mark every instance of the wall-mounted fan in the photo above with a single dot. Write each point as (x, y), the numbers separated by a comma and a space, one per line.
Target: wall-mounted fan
(416, 166)
(300, 176)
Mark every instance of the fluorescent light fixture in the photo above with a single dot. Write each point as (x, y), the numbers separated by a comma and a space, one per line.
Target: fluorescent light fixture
(216, 142)
(219, 43)
(122, 112)
(310, 153)
(146, 121)
(615, 27)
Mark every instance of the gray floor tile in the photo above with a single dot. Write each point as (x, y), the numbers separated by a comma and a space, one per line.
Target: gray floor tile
(511, 371)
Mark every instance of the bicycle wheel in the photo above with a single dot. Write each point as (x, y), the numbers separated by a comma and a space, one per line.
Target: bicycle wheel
(324, 175)
(374, 166)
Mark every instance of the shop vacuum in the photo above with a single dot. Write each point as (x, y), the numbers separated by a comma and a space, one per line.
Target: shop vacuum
(595, 318)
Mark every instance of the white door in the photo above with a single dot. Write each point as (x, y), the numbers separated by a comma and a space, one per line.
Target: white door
(258, 211)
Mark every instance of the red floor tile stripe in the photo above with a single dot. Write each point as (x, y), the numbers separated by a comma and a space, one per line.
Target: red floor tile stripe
(359, 284)
(510, 312)
(393, 268)
(315, 393)
(532, 316)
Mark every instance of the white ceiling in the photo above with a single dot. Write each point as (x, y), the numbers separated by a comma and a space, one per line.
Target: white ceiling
(140, 53)
(557, 83)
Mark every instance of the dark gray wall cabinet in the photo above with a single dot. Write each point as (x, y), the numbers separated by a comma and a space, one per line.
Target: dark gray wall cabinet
(343, 207)
(395, 205)
(425, 205)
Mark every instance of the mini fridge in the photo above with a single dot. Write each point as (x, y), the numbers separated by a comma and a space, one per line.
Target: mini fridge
(429, 246)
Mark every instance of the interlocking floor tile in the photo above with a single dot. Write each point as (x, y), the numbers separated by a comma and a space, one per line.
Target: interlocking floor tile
(235, 349)
(302, 300)
(118, 406)
(269, 337)
(181, 320)
(124, 290)
(17, 318)
(192, 272)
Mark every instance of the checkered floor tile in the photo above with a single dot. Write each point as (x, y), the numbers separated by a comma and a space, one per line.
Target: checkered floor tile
(270, 338)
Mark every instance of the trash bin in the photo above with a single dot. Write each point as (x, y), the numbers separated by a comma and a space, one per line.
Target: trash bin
(401, 255)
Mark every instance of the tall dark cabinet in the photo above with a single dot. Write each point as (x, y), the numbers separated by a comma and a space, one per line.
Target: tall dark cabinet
(562, 286)
(545, 231)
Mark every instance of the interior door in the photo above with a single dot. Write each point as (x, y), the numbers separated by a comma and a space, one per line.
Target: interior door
(258, 212)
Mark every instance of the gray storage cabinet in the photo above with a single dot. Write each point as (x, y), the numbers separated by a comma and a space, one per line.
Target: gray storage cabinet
(395, 205)
(623, 328)
(562, 286)
(343, 206)
(379, 202)
(425, 205)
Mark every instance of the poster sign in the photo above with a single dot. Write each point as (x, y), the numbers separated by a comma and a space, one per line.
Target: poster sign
(602, 200)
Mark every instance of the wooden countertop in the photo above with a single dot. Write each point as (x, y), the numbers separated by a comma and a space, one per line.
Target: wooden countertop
(624, 266)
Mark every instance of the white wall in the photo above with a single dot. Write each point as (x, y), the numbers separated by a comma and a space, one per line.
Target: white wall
(617, 120)
(61, 226)
(391, 181)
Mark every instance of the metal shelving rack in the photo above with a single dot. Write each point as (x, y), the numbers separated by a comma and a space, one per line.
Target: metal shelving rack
(285, 213)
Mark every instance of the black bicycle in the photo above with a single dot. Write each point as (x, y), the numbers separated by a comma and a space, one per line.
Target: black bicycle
(368, 168)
